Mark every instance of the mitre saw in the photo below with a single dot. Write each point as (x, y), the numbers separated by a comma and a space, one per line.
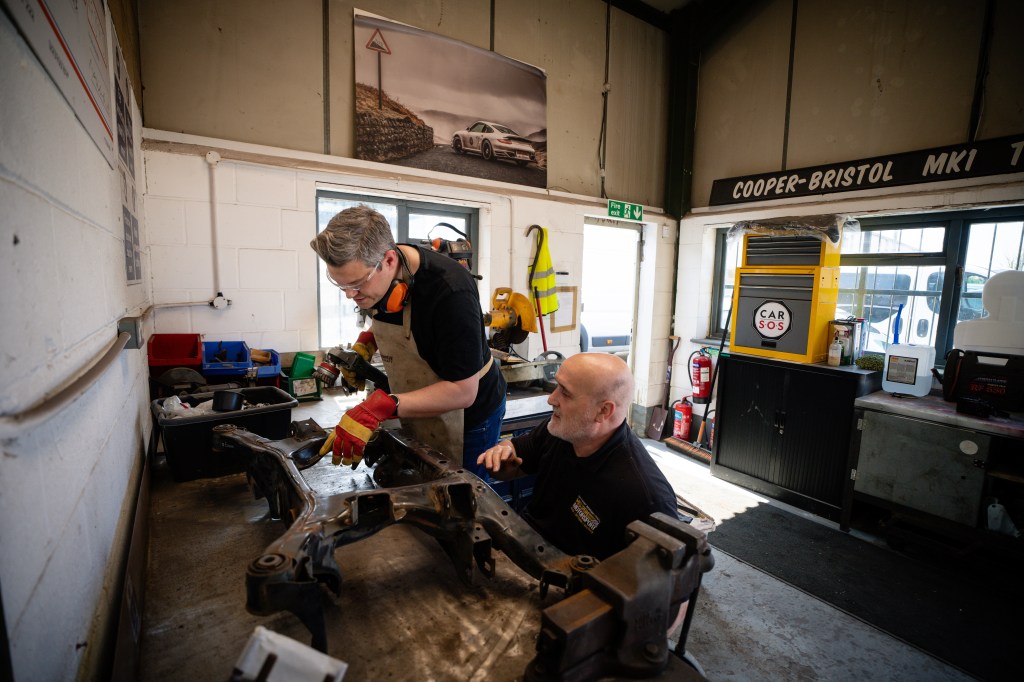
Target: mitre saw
(511, 317)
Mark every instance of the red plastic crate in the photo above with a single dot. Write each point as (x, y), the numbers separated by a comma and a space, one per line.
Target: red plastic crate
(174, 350)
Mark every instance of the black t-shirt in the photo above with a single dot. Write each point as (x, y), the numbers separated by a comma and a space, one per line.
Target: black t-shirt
(582, 505)
(448, 326)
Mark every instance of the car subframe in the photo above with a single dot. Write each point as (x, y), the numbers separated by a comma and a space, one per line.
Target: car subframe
(616, 613)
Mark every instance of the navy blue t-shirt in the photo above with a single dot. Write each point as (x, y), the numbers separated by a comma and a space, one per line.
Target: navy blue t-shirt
(582, 505)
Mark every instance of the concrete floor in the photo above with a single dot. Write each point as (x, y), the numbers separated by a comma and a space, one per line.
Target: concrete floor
(751, 626)
(748, 625)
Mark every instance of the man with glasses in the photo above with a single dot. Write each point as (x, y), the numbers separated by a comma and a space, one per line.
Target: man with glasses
(428, 325)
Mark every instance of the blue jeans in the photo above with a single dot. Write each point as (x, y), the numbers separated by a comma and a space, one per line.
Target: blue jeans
(479, 438)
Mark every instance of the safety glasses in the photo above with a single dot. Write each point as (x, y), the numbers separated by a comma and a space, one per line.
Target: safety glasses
(357, 285)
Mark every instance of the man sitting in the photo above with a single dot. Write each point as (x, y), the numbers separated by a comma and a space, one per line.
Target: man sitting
(594, 476)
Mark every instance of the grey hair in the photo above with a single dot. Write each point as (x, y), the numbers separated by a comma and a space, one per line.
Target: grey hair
(357, 233)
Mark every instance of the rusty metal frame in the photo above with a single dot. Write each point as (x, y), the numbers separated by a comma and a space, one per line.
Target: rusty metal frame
(616, 613)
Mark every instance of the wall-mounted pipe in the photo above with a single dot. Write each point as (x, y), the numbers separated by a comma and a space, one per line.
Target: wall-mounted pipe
(12, 423)
(212, 159)
(218, 302)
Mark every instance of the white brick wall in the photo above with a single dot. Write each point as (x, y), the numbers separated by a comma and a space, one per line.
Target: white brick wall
(266, 219)
(65, 485)
(262, 250)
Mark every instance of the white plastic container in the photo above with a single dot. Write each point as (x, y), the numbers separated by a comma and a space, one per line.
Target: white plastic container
(835, 353)
(908, 369)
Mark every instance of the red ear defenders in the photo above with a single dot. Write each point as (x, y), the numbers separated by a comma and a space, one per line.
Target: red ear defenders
(397, 295)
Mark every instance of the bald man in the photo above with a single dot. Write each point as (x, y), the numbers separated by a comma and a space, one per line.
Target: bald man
(594, 476)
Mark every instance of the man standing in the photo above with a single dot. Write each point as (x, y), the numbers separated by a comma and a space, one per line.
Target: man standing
(594, 476)
(428, 325)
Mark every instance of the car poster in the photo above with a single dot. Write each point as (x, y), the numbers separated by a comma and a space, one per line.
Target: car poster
(427, 101)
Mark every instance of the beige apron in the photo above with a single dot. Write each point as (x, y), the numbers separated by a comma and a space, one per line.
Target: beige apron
(407, 371)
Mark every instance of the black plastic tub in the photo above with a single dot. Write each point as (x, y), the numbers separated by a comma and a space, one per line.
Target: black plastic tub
(188, 440)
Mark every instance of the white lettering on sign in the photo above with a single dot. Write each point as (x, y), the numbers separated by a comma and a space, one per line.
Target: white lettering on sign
(1016, 147)
(772, 319)
(949, 162)
(833, 178)
(850, 176)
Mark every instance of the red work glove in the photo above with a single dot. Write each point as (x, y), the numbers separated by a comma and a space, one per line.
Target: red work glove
(366, 346)
(358, 425)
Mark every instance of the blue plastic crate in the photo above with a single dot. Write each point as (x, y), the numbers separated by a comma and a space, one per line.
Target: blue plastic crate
(271, 370)
(226, 358)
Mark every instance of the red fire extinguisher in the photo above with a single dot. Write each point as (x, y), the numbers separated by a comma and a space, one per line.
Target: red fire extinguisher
(681, 419)
(700, 377)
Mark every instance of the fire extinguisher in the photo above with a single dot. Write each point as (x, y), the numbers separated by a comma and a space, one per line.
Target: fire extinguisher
(700, 377)
(682, 417)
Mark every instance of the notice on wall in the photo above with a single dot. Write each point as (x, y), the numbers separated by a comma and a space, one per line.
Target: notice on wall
(72, 40)
(564, 318)
(124, 99)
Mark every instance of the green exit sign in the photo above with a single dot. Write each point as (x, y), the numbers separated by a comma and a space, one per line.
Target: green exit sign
(620, 209)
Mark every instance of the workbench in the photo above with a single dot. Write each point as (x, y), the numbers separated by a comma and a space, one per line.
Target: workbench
(921, 459)
(402, 614)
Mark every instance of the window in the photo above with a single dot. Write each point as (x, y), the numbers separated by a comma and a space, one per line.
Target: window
(899, 268)
(727, 259)
(411, 222)
(929, 270)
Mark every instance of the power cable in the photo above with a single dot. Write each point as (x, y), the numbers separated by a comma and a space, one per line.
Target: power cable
(602, 144)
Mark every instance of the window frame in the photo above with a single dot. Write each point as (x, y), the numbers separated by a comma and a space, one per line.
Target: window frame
(718, 287)
(404, 208)
(952, 259)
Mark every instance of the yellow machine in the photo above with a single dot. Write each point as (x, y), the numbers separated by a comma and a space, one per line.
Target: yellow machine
(761, 250)
(784, 297)
(512, 317)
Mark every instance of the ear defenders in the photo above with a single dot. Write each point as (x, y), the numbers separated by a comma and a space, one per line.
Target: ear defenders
(396, 297)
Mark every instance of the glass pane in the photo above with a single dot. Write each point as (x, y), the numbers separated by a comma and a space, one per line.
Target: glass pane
(876, 294)
(425, 226)
(729, 264)
(911, 240)
(340, 320)
(991, 248)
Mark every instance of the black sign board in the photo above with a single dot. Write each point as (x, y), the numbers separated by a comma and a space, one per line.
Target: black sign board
(977, 159)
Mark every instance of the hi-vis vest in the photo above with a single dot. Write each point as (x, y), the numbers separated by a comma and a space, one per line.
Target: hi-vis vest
(542, 281)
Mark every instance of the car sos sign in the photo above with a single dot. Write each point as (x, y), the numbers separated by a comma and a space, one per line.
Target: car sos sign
(772, 319)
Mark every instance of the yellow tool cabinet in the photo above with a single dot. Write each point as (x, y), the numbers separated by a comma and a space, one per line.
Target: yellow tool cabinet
(784, 296)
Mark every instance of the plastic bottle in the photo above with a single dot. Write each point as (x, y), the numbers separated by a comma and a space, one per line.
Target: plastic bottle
(835, 352)
(1000, 521)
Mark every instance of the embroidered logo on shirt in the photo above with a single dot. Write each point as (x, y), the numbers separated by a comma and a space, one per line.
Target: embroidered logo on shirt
(585, 515)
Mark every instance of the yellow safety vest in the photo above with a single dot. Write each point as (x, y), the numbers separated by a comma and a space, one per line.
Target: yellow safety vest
(542, 283)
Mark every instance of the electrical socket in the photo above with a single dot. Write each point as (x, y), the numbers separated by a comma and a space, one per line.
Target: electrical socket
(132, 325)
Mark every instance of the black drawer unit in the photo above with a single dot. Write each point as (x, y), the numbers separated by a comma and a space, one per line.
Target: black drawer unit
(783, 429)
